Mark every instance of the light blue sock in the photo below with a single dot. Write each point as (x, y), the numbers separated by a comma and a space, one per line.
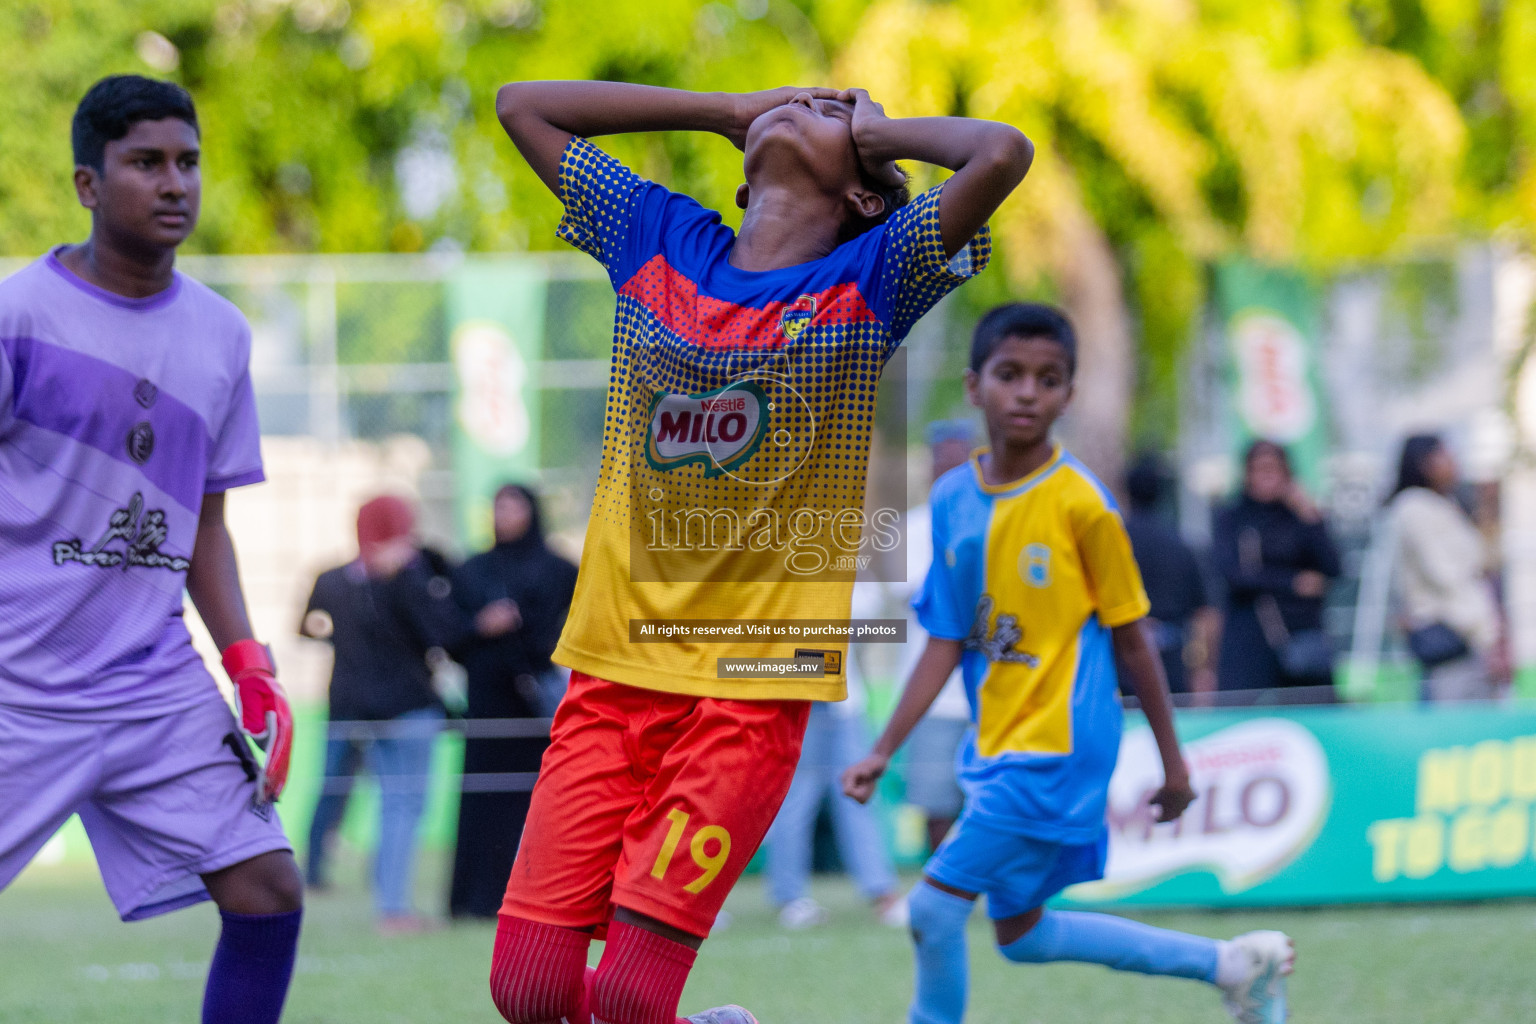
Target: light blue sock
(1116, 942)
(938, 938)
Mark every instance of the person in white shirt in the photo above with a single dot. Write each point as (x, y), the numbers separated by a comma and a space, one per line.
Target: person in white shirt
(1442, 573)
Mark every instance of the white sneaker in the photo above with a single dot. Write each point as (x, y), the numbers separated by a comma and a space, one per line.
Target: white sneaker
(1251, 975)
(732, 1014)
(802, 913)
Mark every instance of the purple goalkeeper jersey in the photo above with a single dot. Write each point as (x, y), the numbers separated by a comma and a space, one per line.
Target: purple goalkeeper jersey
(116, 416)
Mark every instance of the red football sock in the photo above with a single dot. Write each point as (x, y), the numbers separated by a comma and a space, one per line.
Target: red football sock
(538, 972)
(640, 978)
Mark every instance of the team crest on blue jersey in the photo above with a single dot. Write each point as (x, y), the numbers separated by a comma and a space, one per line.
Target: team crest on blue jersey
(719, 429)
(797, 316)
(1035, 565)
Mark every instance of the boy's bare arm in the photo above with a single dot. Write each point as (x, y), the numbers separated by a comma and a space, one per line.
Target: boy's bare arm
(213, 578)
(989, 159)
(541, 117)
(1138, 659)
(929, 675)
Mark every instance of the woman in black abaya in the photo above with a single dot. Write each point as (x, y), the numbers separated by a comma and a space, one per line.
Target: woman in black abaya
(519, 593)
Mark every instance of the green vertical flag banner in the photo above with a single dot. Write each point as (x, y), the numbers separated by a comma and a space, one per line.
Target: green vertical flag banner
(495, 329)
(1271, 321)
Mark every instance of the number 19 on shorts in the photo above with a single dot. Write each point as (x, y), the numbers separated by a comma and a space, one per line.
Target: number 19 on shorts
(706, 837)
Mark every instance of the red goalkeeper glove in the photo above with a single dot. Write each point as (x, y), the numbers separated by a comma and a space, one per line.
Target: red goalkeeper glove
(263, 710)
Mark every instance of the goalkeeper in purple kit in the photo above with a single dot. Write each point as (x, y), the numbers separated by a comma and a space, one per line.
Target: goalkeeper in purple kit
(126, 414)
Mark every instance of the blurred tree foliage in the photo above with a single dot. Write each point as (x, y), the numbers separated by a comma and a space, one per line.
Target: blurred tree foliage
(1169, 132)
(369, 125)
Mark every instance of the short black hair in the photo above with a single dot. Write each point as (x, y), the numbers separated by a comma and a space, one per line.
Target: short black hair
(117, 103)
(1146, 480)
(1022, 320)
(895, 196)
(1264, 446)
(1410, 465)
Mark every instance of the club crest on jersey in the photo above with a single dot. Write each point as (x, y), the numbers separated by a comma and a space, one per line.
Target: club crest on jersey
(145, 392)
(719, 429)
(141, 442)
(797, 316)
(1035, 565)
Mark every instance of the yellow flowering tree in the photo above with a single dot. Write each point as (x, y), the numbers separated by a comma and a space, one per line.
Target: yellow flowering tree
(1170, 133)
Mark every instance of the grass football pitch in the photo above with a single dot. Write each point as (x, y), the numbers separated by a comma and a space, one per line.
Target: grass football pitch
(65, 959)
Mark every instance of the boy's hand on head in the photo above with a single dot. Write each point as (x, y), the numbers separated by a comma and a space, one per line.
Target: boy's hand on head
(867, 118)
(749, 106)
(860, 778)
(1174, 798)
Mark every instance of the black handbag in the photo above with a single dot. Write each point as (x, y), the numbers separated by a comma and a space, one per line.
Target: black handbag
(1308, 654)
(1302, 653)
(1436, 644)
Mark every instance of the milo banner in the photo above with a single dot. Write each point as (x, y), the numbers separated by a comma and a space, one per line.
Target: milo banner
(1329, 805)
(495, 324)
(1270, 319)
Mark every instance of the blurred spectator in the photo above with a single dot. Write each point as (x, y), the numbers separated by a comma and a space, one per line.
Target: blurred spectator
(1276, 557)
(1184, 618)
(382, 614)
(931, 749)
(1441, 570)
(835, 737)
(518, 594)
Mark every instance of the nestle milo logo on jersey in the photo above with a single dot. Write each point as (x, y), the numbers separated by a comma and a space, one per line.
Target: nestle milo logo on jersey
(720, 429)
(797, 316)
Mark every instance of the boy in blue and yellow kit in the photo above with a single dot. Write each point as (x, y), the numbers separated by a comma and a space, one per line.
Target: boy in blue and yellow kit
(1034, 592)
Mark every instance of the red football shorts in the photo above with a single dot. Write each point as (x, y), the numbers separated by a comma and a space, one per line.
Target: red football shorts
(651, 801)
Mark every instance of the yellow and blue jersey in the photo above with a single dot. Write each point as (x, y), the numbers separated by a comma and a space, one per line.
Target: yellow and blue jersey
(1031, 576)
(736, 435)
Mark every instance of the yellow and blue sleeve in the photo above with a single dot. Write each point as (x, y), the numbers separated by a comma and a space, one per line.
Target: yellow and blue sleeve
(1113, 577)
(939, 607)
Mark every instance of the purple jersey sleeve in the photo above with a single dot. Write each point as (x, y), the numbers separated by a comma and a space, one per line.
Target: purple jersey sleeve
(235, 458)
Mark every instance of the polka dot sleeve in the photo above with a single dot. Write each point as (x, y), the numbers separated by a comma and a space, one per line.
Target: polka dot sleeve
(915, 275)
(600, 196)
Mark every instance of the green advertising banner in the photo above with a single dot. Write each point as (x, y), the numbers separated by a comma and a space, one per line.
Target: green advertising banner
(1270, 318)
(495, 330)
(1329, 805)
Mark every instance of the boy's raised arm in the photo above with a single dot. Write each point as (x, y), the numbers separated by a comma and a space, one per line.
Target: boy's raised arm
(541, 117)
(989, 159)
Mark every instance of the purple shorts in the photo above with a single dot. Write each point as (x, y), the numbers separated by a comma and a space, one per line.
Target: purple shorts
(164, 800)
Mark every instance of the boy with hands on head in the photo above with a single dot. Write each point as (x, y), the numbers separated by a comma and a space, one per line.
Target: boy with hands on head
(663, 774)
(1034, 593)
